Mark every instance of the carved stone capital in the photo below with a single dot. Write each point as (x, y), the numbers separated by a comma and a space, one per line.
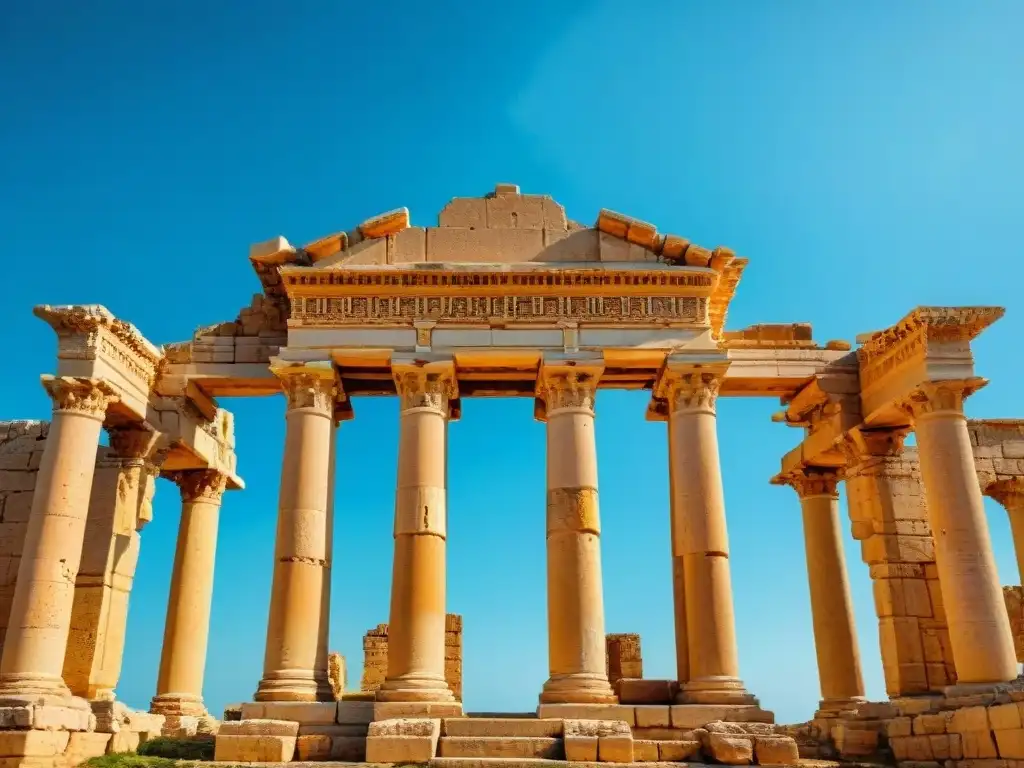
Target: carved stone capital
(564, 387)
(860, 444)
(89, 397)
(203, 485)
(1009, 493)
(132, 442)
(811, 481)
(693, 392)
(429, 386)
(941, 397)
(309, 386)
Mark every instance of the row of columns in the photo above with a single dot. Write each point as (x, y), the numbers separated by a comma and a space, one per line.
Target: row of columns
(36, 642)
(979, 630)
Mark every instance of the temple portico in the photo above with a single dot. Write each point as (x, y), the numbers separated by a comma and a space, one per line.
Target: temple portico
(506, 297)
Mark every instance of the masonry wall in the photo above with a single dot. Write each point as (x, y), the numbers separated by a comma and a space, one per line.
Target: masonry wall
(375, 656)
(623, 658)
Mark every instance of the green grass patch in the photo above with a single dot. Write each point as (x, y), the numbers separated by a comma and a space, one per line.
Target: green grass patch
(177, 749)
(128, 760)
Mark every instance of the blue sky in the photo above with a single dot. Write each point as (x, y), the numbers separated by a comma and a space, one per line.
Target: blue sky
(865, 156)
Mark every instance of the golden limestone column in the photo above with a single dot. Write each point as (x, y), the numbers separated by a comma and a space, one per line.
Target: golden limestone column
(979, 629)
(417, 620)
(678, 581)
(701, 538)
(835, 634)
(179, 688)
(40, 618)
(576, 640)
(292, 669)
(1010, 494)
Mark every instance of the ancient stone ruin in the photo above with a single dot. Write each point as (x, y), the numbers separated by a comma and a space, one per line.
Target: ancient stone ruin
(507, 297)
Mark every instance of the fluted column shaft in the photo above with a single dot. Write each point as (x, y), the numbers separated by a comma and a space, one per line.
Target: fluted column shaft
(979, 629)
(416, 630)
(292, 669)
(702, 540)
(835, 634)
(40, 617)
(179, 688)
(576, 637)
(678, 580)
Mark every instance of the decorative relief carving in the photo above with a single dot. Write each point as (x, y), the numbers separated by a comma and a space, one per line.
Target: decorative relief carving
(308, 390)
(696, 391)
(360, 310)
(132, 442)
(568, 388)
(861, 444)
(877, 365)
(200, 485)
(562, 278)
(425, 388)
(87, 396)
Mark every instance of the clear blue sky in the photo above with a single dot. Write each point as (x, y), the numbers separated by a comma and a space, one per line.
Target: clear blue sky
(865, 156)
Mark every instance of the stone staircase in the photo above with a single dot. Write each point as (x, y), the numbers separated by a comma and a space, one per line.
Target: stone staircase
(473, 742)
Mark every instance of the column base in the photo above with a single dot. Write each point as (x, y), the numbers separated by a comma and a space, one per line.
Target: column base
(21, 686)
(180, 704)
(715, 690)
(294, 685)
(415, 688)
(582, 688)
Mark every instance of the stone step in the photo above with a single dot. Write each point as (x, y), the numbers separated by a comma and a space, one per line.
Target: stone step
(523, 762)
(501, 746)
(502, 726)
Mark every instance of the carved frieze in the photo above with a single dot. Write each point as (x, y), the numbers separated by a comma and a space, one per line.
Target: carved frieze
(406, 310)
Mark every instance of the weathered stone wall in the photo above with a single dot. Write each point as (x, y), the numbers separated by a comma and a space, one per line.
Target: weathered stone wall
(337, 673)
(890, 519)
(623, 657)
(21, 449)
(375, 656)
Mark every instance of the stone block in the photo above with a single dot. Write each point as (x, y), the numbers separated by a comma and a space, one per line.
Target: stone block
(730, 749)
(645, 751)
(978, 744)
(16, 717)
(699, 715)
(56, 718)
(1005, 717)
(505, 747)
(355, 712)
(580, 749)
(678, 750)
(259, 727)
(123, 741)
(403, 740)
(899, 726)
(254, 749)
(313, 748)
(350, 749)
(319, 712)
(587, 712)
(634, 691)
(937, 722)
(392, 710)
(617, 748)
(33, 743)
(1010, 743)
(408, 246)
(946, 746)
(969, 719)
(84, 745)
(457, 245)
(775, 750)
(652, 716)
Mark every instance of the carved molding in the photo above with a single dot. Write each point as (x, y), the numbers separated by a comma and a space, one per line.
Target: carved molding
(75, 395)
(813, 481)
(308, 389)
(200, 485)
(427, 387)
(692, 392)
(568, 388)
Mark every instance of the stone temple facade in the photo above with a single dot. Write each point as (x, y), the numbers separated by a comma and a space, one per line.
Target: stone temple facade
(507, 297)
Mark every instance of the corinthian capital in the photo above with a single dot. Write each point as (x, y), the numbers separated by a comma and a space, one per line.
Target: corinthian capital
(936, 397)
(431, 385)
(693, 391)
(811, 481)
(568, 387)
(89, 397)
(313, 385)
(206, 485)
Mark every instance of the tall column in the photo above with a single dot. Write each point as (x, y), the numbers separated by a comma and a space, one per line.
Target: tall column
(678, 581)
(40, 618)
(324, 643)
(179, 687)
(417, 623)
(835, 634)
(576, 639)
(292, 669)
(979, 629)
(1010, 494)
(702, 540)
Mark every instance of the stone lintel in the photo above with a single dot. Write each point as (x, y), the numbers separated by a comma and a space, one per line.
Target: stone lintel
(929, 345)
